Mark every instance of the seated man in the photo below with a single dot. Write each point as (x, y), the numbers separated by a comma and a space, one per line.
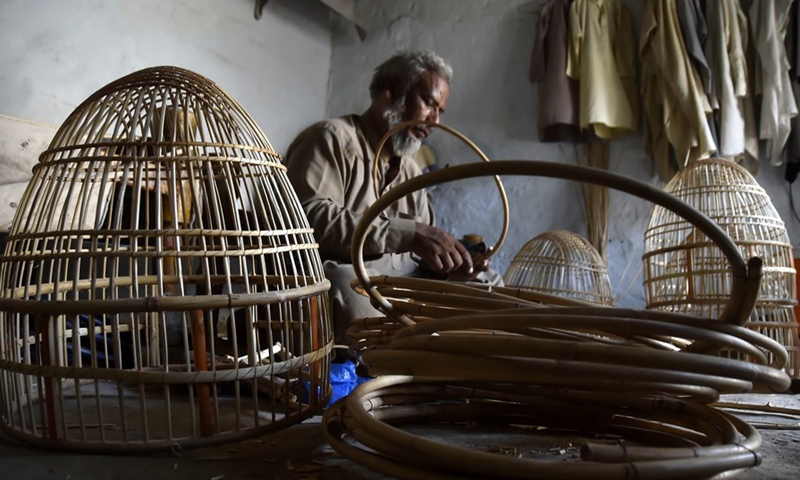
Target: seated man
(330, 166)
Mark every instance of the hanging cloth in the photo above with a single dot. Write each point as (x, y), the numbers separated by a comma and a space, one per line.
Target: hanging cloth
(602, 57)
(769, 20)
(557, 110)
(694, 32)
(792, 53)
(675, 104)
(725, 52)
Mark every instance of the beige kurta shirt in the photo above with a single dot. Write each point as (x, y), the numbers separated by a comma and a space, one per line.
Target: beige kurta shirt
(602, 56)
(330, 167)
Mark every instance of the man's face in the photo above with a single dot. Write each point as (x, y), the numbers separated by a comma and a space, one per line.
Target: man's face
(424, 101)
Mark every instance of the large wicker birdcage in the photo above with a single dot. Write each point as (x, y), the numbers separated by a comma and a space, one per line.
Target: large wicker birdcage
(685, 272)
(561, 263)
(160, 285)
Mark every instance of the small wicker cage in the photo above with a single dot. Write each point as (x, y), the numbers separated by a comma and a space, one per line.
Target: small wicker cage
(685, 272)
(160, 285)
(561, 263)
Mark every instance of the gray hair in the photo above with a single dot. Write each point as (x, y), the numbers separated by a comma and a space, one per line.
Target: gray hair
(407, 66)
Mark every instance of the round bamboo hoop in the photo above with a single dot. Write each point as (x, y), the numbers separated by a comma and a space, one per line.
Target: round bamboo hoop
(691, 440)
(160, 287)
(490, 251)
(519, 350)
(685, 271)
(561, 263)
(744, 279)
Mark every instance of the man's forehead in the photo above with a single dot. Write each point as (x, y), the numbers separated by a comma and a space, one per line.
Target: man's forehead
(432, 82)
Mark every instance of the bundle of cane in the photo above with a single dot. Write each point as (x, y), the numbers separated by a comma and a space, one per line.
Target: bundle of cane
(590, 371)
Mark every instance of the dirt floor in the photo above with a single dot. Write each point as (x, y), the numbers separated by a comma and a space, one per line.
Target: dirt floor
(301, 453)
(781, 447)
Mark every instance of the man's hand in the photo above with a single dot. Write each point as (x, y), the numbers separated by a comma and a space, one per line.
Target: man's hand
(479, 264)
(441, 251)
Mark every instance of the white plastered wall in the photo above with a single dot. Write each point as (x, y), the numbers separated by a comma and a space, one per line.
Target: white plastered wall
(56, 53)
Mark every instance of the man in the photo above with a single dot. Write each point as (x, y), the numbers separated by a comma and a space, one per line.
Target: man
(330, 165)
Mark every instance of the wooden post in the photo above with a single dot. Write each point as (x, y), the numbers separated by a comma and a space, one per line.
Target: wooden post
(313, 395)
(201, 365)
(43, 337)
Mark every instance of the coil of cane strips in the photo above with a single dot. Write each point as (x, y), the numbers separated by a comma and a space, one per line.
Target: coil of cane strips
(422, 299)
(561, 263)
(684, 271)
(581, 369)
(160, 287)
(699, 441)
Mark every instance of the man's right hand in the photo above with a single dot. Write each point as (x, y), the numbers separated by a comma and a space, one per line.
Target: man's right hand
(440, 250)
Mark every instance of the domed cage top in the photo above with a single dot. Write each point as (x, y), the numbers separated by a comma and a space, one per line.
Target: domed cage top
(561, 263)
(685, 272)
(160, 281)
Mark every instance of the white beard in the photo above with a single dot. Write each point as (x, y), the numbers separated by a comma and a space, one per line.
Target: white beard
(403, 144)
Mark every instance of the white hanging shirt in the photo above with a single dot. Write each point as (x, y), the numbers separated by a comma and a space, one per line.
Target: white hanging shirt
(727, 39)
(769, 19)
